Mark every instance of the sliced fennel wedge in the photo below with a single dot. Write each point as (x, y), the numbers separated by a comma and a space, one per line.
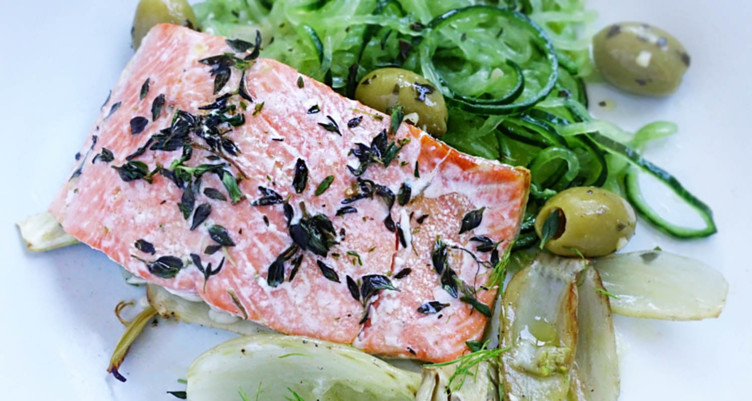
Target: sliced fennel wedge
(595, 376)
(275, 367)
(539, 328)
(661, 285)
(43, 233)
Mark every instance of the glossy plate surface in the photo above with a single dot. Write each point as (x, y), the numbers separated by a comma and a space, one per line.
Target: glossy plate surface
(58, 326)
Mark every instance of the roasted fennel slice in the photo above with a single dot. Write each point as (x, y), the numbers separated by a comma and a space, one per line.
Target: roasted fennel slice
(172, 306)
(661, 285)
(42, 232)
(278, 367)
(595, 375)
(539, 329)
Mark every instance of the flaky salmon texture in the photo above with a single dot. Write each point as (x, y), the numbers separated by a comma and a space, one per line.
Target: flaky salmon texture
(217, 174)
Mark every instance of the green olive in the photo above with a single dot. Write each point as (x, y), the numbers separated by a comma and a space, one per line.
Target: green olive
(640, 58)
(385, 88)
(153, 12)
(591, 220)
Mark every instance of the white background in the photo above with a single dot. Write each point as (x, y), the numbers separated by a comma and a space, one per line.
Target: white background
(59, 60)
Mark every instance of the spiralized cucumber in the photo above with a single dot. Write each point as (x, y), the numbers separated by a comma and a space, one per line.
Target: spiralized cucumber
(511, 72)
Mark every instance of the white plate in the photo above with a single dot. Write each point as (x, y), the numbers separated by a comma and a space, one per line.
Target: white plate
(60, 58)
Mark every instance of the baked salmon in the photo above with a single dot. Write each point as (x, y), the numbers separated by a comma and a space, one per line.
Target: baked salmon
(236, 180)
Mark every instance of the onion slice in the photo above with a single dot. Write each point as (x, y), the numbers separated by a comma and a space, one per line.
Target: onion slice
(539, 329)
(661, 285)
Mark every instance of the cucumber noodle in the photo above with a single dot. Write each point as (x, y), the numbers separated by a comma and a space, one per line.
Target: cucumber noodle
(511, 70)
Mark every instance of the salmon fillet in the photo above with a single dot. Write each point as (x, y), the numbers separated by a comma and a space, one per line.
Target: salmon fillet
(238, 181)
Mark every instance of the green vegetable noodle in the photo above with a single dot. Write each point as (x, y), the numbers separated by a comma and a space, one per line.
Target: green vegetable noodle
(511, 74)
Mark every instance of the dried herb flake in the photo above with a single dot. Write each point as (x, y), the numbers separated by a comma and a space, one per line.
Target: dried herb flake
(324, 185)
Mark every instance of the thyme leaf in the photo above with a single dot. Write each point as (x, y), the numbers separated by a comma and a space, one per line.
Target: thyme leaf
(145, 246)
(219, 235)
(477, 305)
(373, 283)
(301, 176)
(403, 273)
(397, 116)
(105, 156)
(156, 106)
(165, 266)
(472, 220)
(212, 193)
(328, 272)
(138, 124)
(199, 216)
(270, 197)
(231, 185)
(133, 170)
(439, 256)
(354, 122)
(276, 274)
(331, 126)
(552, 227)
(345, 210)
(352, 286)
(431, 307)
(144, 89)
(403, 196)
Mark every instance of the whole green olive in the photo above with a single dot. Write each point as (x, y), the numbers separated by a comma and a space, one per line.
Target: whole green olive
(640, 58)
(385, 88)
(153, 12)
(593, 221)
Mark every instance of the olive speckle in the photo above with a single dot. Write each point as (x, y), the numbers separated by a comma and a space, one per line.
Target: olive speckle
(613, 31)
